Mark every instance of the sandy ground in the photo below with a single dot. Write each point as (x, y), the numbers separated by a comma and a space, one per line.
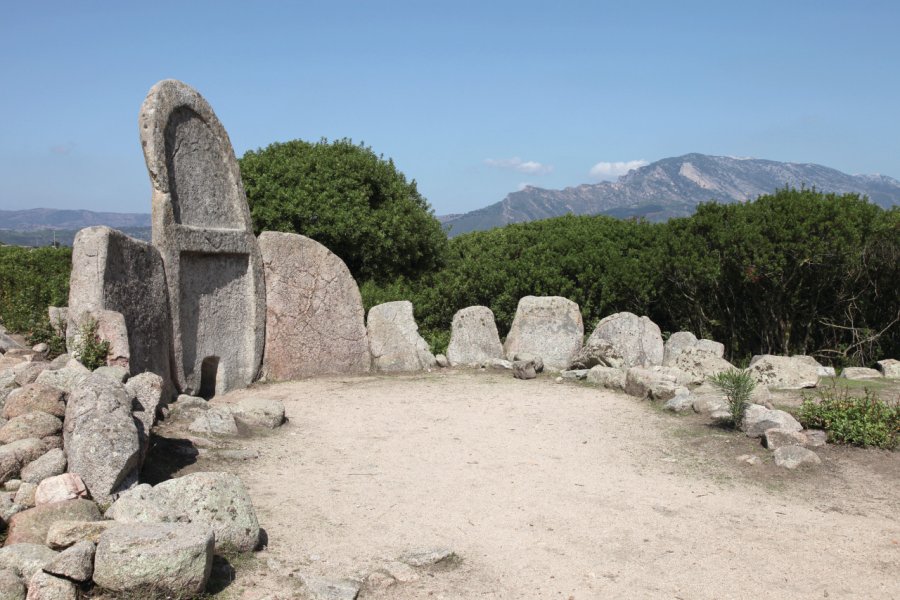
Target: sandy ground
(552, 490)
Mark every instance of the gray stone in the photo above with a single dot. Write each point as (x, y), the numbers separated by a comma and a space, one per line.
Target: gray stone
(523, 369)
(427, 557)
(259, 412)
(149, 392)
(41, 348)
(776, 438)
(791, 457)
(75, 563)
(16, 455)
(823, 371)
(25, 495)
(25, 559)
(67, 378)
(623, 340)
(394, 339)
(30, 425)
(677, 342)
(44, 586)
(574, 374)
(549, 326)
(201, 226)
(35, 397)
(31, 371)
(700, 364)
(60, 361)
(315, 320)
(712, 348)
(110, 327)
(758, 419)
(889, 367)
(656, 383)
(101, 438)
(167, 558)
(8, 343)
(217, 420)
(217, 500)
(60, 488)
(63, 534)
(783, 372)
(115, 372)
(721, 415)
(441, 361)
(681, 401)
(533, 358)
(12, 485)
(815, 438)
(321, 588)
(31, 526)
(607, 377)
(498, 364)
(856, 373)
(51, 463)
(473, 337)
(12, 587)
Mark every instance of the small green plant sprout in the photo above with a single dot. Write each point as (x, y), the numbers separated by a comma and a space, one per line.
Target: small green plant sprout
(737, 386)
(90, 349)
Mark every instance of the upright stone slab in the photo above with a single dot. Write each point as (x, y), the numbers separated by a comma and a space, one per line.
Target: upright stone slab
(547, 326)
(111, 271)
(201, 226)
(394, 339)
(473, 337)
(315, 321)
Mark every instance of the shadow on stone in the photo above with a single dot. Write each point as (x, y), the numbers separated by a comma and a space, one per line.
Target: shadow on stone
(221, 576)
(166, 457)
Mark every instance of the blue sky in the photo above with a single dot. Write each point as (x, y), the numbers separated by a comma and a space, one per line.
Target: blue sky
(471, 99)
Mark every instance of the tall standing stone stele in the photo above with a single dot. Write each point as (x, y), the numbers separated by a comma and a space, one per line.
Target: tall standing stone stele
(201, 226)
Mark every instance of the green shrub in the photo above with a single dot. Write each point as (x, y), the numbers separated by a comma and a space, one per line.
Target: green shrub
(31, 279)
(90, 349)
(46, 332)
(863, 420)
(737, 385)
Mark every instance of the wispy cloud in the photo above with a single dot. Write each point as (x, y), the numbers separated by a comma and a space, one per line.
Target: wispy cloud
(63, 149)
(611, 170)
(532, 167)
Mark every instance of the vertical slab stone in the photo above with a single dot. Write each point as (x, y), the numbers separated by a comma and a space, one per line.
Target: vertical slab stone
(550, 327)
(474, 337)
(201, 226)
(113, 272)
(394, 339)
(315, 321)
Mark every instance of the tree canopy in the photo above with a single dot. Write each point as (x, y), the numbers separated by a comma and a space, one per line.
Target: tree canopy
(348, 198)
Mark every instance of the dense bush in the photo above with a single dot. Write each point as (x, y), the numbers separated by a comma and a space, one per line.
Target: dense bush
(858, 420)
(349, 199)
(31, 279)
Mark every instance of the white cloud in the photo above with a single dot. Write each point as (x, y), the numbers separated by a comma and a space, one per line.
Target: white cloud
(610, 170)
(524, 185)
(532, 167)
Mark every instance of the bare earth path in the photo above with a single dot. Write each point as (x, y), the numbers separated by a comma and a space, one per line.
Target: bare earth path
(553, 491)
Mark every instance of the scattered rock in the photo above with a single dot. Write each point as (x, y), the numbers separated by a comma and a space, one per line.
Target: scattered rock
(700, 364)
(66, 378)
(25, 559)
(30, 372)
(31, 526)
(25, 495)
(815, 438)
(217, 500)
(889, 367)
(856, 373)
(30, 425)
(549, 326)
(608, 377)
(623, 340)
(12, 587)
(63, 534)
(428, 557)
(12, 485)
(75, 563)
(320, 588)
(791, 457)
(473, 337)
(35, 397)
(533, 358)
(777, 438)
(60, 488)
(757, 420)
(721, 415)
(17, 454)
(217, 420)
(681, 401)
(400, 572)
(167, 558)
(44, 586)
(394, 339)
(750, 459)
(523, 369)
(574, 374)
(441, 361)
(259, 412)
(115, 372)
(656, 383)
(315, 320)
(499, 364)
(783, 372)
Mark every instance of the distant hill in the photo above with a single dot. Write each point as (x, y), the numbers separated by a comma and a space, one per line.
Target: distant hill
(672, 187)
(43, 226)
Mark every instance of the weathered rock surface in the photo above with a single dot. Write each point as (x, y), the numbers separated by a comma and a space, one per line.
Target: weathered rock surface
(323, 588)
(757, 420)
(217, 420)
(656, 383)
(67, 378)
(700, 364)
(523, 369)
(35, 397)
(60, 488)
(25, 559)
(315, 321)
(101, 438)
(889, 367)
(166, 558)
(12, 586)
(75, 563)
(202, 229)
(549, 326)
(63, 534)
(776, 438)
(681, 401)
(114, 372)
(815, 438)
(498, 364)
(623, 340)
(608, 377)
(791, 457)
(259, 412)
(30, 425)
(17, 454)
(677, 342)
(394, 339)
(30, 372)
(31, 526)
(44, 586)
(111, 328)
(474, 337)
(860, 373)
(25, 495)
(149, 393)
(441, 361)
(218, 500)
(783, 372)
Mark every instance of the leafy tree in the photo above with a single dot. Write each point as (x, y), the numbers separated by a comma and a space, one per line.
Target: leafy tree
(348, 198)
